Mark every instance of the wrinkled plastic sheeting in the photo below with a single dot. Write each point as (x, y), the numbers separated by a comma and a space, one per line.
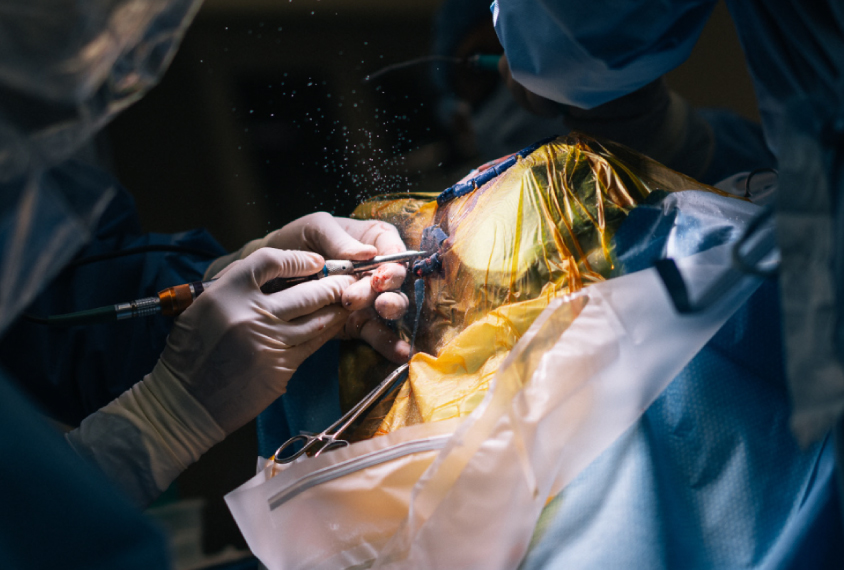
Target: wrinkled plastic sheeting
(584, 372)
(606, 368)
(342, 521)
(66, 68)
(810, 233)
(47, 219)
(541, 229)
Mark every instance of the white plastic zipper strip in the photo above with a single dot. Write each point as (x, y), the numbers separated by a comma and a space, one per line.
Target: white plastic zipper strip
(327, 474)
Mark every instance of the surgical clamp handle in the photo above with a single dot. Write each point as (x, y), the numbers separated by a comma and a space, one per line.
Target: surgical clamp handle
(329, 435)
(744, 265)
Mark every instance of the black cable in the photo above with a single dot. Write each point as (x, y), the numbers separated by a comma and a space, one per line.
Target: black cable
(99, 315)
(106, 314)
(409, 63)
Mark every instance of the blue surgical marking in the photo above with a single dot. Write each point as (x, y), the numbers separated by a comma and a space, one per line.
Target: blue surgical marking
(472, 184)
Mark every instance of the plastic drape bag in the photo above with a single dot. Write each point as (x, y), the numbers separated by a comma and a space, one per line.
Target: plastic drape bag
(583, 373)
(543, 373)
(66, 68)
(809, 219)
(505, 248)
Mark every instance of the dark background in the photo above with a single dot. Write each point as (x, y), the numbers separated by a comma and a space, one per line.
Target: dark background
(264, 117)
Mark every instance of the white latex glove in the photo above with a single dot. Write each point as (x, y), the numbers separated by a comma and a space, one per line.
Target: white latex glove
(228, 356)
(344, 238)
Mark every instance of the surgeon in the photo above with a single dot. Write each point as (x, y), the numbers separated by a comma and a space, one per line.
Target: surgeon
(65, 70)
(595, 61)
(579, 59)
(707, 144)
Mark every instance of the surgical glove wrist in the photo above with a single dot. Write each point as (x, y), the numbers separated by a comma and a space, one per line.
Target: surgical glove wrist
(147, 436)
(228, 357)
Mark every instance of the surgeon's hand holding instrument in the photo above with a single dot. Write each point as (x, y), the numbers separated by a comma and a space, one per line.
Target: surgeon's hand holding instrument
(224, 363)
(174, 300)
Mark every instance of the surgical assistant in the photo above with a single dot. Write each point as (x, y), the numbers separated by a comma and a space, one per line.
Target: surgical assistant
(581, 59)
(708, 144)
(150, 407)
(584, 56)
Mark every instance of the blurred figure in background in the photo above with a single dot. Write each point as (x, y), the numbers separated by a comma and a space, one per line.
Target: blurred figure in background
(491, 116)
(584, 59)
(69, 233)
(475, 107)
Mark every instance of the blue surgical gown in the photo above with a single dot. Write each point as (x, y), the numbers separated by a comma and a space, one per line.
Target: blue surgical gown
(587, 53)
(57, 511)
(72, 372)
(711, 475)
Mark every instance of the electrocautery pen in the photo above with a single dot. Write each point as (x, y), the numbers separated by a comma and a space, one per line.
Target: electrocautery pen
(173, 300)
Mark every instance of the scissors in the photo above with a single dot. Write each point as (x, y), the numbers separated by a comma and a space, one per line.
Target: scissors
(328, 439)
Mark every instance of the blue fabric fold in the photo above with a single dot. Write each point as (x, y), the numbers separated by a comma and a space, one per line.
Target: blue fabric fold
(711, 476)
(72, 372)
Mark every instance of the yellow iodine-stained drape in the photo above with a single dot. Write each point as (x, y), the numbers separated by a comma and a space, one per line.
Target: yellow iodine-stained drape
(540, 229)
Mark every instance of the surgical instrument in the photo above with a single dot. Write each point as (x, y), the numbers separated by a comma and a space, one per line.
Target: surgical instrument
(341, 267)
(174, 300)
(328, 439)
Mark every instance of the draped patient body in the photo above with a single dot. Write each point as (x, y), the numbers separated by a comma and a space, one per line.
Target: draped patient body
(505, 249)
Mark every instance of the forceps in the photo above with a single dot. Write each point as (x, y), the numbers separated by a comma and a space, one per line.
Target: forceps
(328, 438)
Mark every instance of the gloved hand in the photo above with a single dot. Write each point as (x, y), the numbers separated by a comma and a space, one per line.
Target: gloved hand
(344, 238)
(229, 356)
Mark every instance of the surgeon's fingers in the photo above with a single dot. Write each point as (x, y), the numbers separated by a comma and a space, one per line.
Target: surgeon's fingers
(217, 274)
(388, 277)
(391, 305)
(308, 297)
(366, 326)
(322, 233)
(359, 294)
(222, 264)
(385, 237)
(268, 263)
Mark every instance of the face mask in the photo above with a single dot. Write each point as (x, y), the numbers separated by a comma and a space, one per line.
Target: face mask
(501, 126)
